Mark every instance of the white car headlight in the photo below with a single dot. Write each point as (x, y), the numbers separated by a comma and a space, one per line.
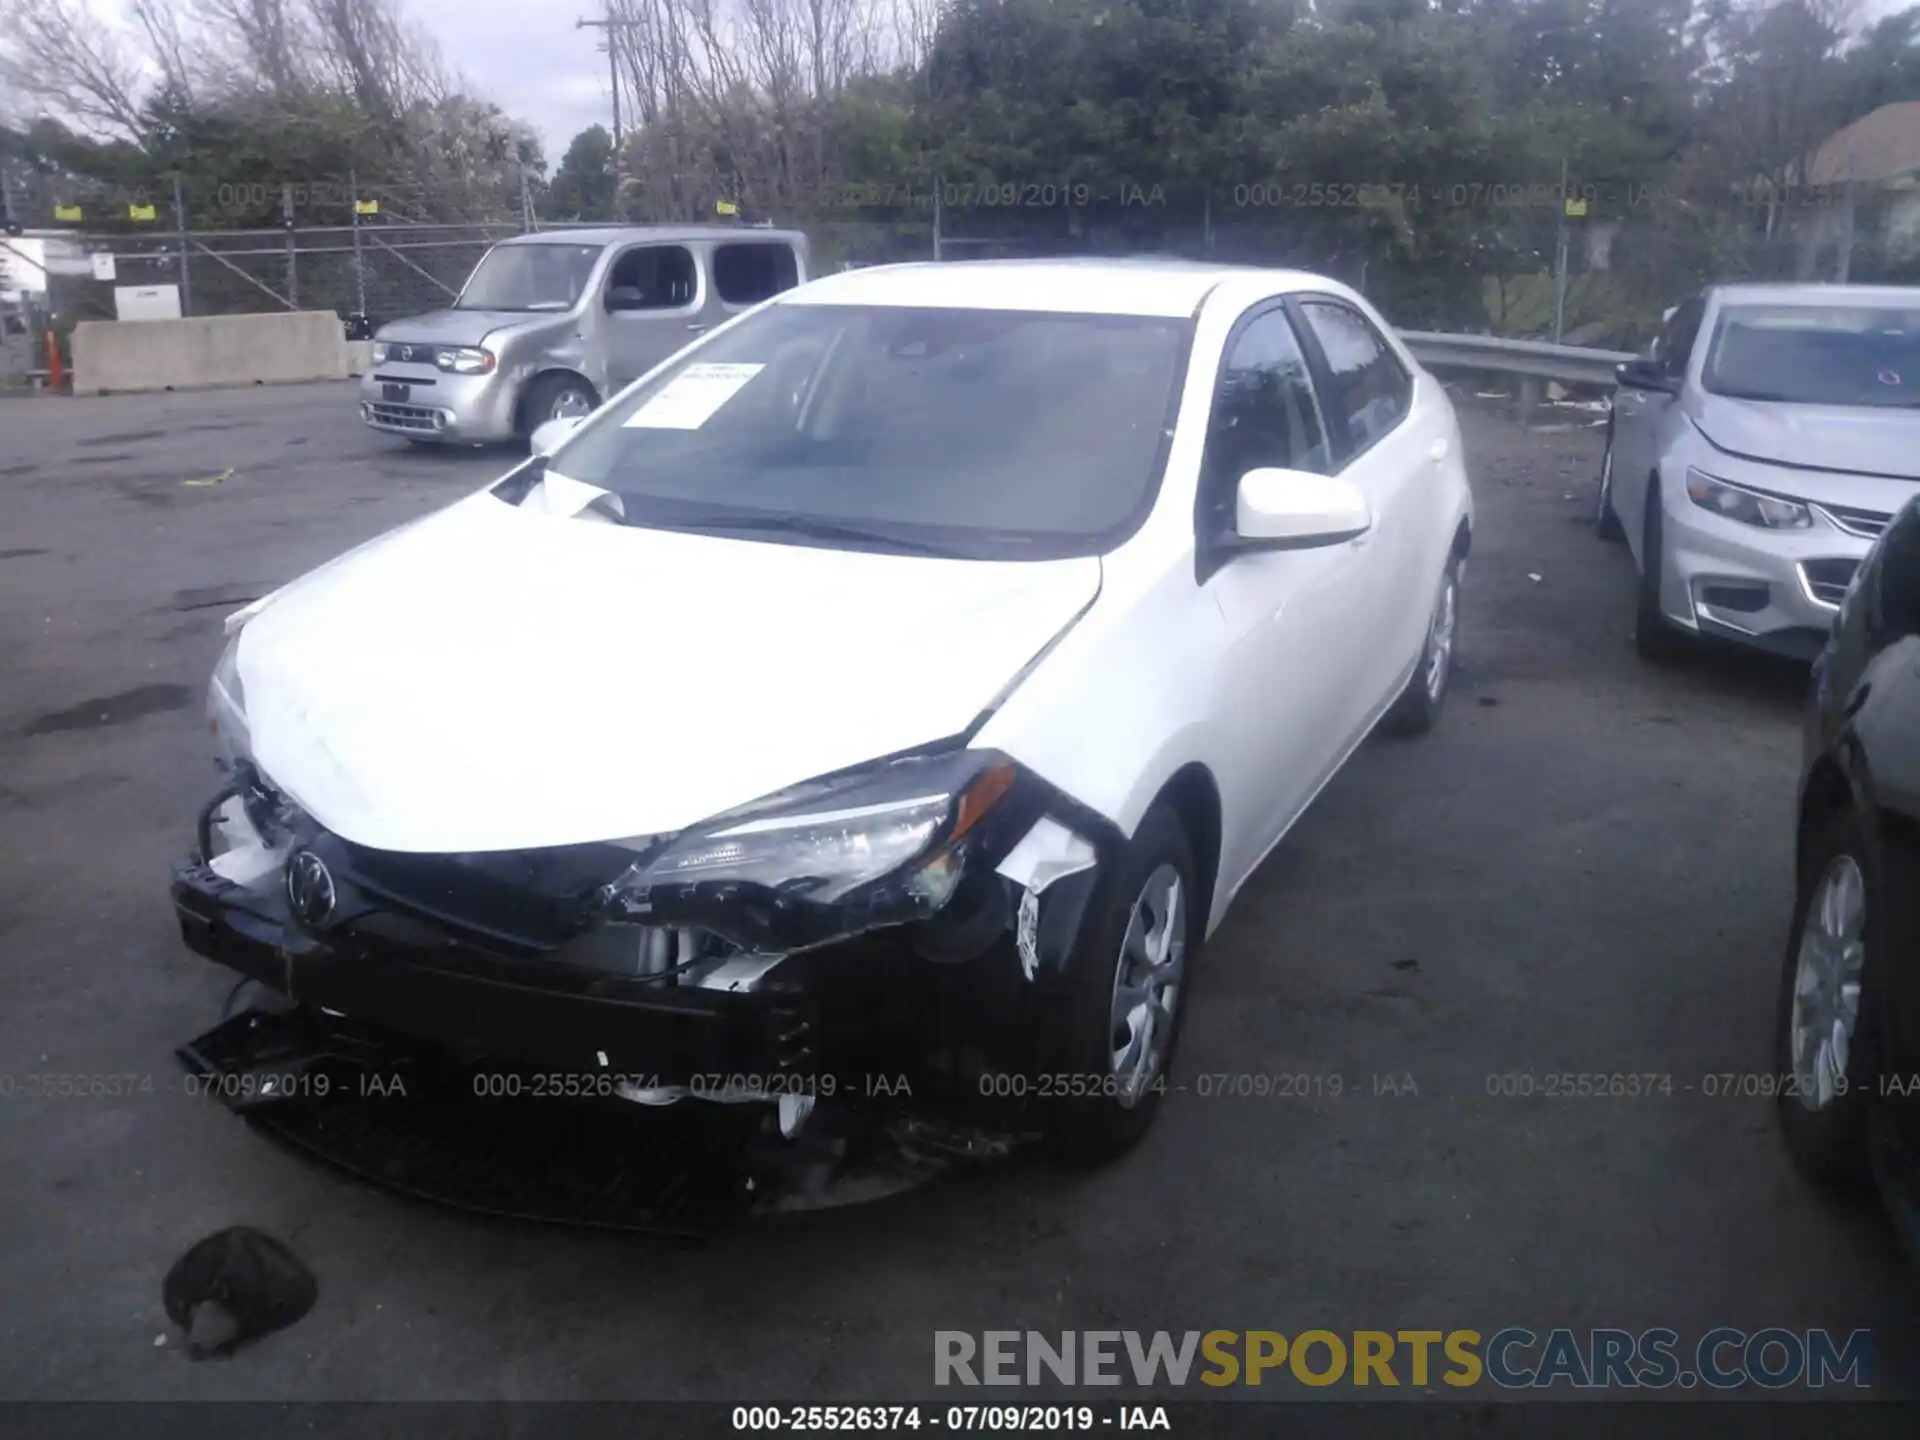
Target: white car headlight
(381, 350)
(466, 360)
(1749, 507)
(825, 859)
(227, 708)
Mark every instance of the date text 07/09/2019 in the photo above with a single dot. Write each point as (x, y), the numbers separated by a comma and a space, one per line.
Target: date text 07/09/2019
(958, 1419)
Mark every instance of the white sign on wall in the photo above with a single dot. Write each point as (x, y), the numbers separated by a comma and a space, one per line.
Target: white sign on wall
(146, 302)
(102, 267)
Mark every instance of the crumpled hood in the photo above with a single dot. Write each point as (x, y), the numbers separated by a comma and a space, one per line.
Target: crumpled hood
(1849, 440)
(454, 327)
(496, 678)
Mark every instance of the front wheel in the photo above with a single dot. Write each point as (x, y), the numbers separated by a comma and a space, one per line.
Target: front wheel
(557, 397)
(1126, 998)
(1419, 704)
(1654, 635)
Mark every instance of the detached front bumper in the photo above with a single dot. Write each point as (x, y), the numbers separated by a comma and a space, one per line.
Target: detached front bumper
(407, 951)
(426, 403)
(1775, 590)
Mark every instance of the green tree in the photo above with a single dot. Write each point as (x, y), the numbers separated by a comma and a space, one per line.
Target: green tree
(582, 188)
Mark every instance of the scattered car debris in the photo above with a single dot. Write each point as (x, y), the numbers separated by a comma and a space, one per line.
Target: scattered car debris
(235, 1286)
(1533, 577)
(1410, 963)
(206, 480)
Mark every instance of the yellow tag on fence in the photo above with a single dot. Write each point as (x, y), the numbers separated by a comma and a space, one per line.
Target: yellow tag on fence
(70, 214)
(1576, 209)
(140, 212)
(366, 207)
(725, 207)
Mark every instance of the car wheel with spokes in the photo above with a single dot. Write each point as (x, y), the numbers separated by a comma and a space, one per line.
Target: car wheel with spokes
(1127, 993)
(557, 397)
(1606, 524)
(1419, 704)
(1824, 1036)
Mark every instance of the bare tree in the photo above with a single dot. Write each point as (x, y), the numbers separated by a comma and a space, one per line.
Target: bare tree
(63, 58)
(255, 46)
(371, 52)
(737, 96)
(1773, 87)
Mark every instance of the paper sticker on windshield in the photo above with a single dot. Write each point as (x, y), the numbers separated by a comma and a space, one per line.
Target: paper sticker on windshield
(691, 397)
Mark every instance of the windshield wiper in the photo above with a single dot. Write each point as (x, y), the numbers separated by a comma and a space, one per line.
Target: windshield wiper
(1772, 397)
(810, 526)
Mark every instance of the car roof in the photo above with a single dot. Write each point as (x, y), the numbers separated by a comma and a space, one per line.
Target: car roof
(1809, 294)
(615, 234)
(1144, 285)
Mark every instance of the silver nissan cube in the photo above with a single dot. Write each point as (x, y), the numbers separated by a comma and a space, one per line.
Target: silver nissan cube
(552, 323)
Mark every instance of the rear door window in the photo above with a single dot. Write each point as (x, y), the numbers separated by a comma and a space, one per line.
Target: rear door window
(747, 272)
(1371, 390)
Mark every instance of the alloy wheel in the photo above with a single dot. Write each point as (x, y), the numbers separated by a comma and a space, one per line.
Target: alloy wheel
(1440, 638)
(1826, 983)
(1147, 982)
(570, 405)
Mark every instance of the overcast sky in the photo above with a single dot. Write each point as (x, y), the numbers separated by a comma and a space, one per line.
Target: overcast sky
(528, 59)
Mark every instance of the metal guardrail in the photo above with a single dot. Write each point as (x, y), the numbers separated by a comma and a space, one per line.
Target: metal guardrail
(1535, 359)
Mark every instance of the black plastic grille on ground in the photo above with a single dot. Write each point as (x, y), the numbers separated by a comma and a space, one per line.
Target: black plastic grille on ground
(419, 1129)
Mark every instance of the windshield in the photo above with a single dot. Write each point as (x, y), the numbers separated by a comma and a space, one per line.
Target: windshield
(529, 277)
(993, 434)
(1816, 355)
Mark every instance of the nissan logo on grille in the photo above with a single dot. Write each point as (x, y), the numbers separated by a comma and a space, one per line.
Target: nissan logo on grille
(310, 887)
(414, 354)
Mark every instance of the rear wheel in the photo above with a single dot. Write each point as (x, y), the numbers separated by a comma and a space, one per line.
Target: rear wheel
(1606, 524)
(1127, 994)
(1654, 636)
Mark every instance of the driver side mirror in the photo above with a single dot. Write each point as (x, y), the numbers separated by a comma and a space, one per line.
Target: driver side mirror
(552, 435)
(1297, 510)
(1645, 375)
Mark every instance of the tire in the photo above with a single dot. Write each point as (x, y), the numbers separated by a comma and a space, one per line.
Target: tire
(552, 396)
(1606, 524)
(1099, 1127)
(1418, 705)
(1654, 636)
(1827, 1141)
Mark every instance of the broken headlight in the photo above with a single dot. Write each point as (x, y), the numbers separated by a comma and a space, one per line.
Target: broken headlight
(883, 845)
(227, 708)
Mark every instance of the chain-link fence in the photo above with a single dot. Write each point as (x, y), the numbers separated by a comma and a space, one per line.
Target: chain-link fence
(1503, 259)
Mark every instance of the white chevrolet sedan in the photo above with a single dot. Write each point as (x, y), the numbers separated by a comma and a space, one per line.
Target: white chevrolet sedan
(900, 681)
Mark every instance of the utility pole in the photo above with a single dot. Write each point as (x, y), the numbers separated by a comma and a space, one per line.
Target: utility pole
(1560, 260)
(612, 27)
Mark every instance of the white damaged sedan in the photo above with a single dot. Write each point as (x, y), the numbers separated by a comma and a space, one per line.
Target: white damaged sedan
(900, 680)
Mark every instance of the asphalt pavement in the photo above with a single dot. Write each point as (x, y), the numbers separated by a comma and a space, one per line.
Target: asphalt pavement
(1584, 869)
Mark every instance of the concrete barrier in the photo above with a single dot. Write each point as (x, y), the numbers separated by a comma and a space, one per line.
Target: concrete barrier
(112, 356)
(359, 357)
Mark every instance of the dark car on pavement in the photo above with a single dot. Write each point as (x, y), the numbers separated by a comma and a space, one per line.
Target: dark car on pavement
(1847, 1042)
